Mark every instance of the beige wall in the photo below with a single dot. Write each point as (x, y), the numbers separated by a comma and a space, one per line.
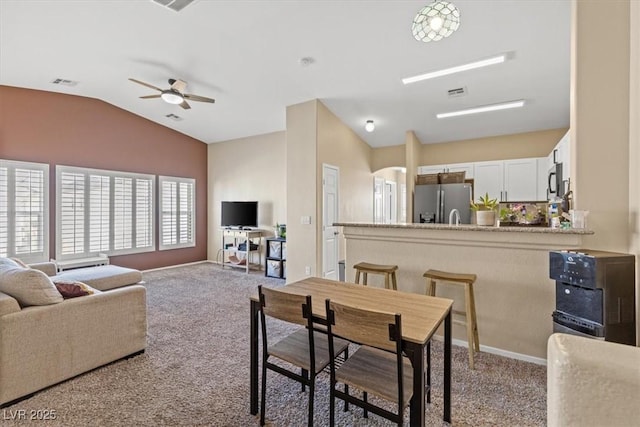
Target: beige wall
(634, 149)
(247, 169)
(412, 152)
(302, 163)
(385, 157)
(600, 119)
(517, 146)
(340, 146)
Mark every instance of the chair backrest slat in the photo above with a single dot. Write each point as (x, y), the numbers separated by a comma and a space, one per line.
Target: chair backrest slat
(284, 306)
(363, 326)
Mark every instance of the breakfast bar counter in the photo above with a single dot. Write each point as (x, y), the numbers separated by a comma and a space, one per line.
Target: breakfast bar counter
(514, 296)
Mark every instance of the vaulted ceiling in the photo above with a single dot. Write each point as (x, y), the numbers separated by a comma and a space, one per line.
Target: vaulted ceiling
(247, 55)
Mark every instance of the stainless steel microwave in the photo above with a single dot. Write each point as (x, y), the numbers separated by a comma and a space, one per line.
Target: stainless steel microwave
(555, 186)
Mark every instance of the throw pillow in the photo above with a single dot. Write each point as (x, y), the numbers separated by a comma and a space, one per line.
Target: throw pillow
(28, 286)
(73, 288)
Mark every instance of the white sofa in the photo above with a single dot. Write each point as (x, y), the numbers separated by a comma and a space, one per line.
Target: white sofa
(592, 382)
(44, 344)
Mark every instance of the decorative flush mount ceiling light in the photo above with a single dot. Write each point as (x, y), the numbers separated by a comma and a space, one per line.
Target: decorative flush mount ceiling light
(436, 21)
(483, 109)
(457, 69)
(369, 126)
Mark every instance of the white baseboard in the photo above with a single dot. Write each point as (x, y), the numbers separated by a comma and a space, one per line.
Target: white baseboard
(498, 351)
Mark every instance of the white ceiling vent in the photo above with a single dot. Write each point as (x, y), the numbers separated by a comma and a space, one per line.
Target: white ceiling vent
(175, 5)
(64, 82)
(454, 93)
(174, 117)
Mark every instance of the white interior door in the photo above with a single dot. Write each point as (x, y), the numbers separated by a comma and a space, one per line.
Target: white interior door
(390, 203)
(330, 188)
(378, 200)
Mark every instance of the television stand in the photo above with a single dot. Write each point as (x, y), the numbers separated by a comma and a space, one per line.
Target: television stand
(240, 247)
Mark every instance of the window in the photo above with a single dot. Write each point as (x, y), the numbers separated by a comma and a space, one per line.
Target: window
(24, 210)
(103, 212)
(177, 210)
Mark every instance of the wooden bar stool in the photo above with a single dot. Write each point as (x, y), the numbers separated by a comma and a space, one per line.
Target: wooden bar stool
(368, 268)
(469, 314)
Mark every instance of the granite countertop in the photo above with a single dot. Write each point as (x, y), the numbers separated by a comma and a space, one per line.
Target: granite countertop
(470, 227)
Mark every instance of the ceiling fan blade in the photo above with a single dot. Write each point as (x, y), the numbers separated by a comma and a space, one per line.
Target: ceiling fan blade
(150, 96)
(191, 97)
(145, 84)
(179, 85)
(185, 105)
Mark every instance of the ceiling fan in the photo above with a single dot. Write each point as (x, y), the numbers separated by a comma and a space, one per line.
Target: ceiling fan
(175, 94)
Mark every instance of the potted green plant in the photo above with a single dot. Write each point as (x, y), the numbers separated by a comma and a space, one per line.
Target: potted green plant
(485, 210)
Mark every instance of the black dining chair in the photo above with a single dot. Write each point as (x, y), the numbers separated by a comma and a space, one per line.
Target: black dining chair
(306, 348)
(377, 367)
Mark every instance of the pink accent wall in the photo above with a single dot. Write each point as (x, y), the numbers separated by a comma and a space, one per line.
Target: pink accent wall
(59, 129)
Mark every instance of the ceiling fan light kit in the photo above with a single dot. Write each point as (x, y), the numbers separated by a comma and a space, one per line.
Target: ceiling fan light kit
(171, 97)
(436, 21)
(175, 94)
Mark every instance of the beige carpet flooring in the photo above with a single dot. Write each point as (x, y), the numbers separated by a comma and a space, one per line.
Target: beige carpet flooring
(195, 371)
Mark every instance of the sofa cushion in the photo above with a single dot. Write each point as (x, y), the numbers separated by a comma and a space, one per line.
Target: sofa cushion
(28, 286)
(8, 262)
(103, 277)
(19, 262)
(73, 288)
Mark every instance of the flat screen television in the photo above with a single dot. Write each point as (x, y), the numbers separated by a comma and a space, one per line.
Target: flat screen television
(239, 214)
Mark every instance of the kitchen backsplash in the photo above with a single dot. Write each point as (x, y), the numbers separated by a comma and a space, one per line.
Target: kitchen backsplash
(523, 214)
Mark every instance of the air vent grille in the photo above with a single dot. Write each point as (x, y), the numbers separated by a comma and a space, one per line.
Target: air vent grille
(64, 82)
(175, 5)
(174, 117)
(454, 93)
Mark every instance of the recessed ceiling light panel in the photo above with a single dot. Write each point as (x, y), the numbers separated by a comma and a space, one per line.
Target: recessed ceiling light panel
(483, 109)
(457, 69)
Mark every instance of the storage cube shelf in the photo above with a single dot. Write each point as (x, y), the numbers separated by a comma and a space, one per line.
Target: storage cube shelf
(275, 261)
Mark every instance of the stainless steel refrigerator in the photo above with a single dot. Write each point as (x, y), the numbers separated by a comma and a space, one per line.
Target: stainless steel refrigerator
(433, 203)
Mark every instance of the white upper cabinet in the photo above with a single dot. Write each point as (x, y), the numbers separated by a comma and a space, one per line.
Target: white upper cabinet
(563, 156)
(467, 168)
(543, 175)
(521, 180)
(454, 167)
(507, 180)
(488, 177)
(561, 153)
(426, 170)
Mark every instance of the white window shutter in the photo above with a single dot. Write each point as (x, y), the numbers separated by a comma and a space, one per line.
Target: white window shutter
(24, 210)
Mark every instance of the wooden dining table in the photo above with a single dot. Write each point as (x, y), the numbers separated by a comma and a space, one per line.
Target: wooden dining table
(421, 317)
